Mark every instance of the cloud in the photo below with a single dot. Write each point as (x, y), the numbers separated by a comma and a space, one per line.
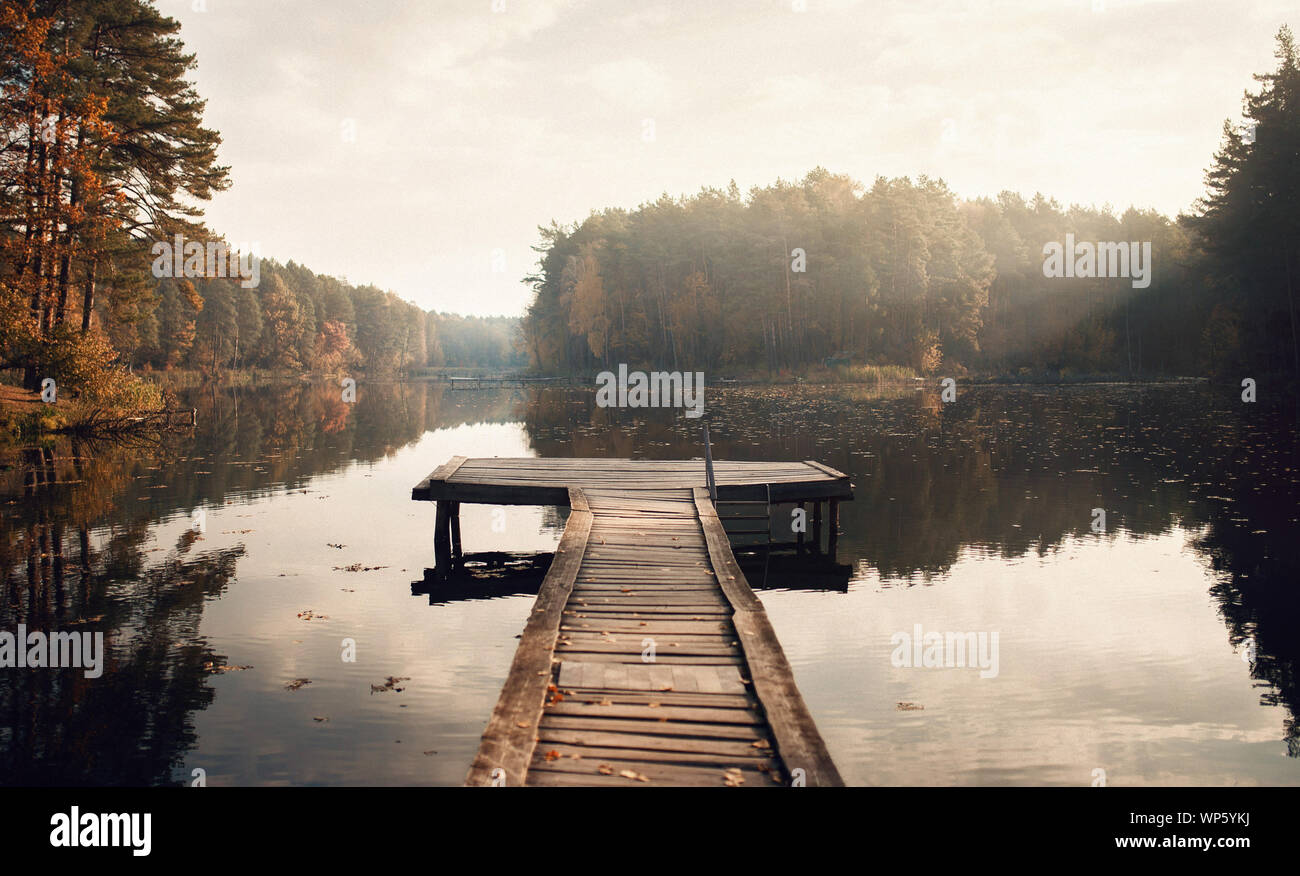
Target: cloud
(630, 82)
(474, 127)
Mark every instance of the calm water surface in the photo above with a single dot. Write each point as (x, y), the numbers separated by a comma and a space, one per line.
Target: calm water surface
(1163, 651)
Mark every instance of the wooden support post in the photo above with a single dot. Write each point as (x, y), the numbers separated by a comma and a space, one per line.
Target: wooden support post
(835, 527)
(456, 554)
(442, 539)
(800, 534)
(817, 527)
(708, 468)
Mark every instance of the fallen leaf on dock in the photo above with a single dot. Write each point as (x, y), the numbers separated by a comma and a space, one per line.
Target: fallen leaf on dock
(634, 775)
(733, 777)
(606, 770)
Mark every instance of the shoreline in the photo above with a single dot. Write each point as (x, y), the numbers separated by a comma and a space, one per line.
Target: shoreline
(25, 417)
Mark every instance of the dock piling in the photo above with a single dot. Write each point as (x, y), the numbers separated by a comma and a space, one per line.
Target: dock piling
(834, 535)
(442, 539)
(454, 520)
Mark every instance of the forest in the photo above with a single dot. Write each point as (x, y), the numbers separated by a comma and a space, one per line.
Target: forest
(296, 321)
(906, 273)
(103, 152)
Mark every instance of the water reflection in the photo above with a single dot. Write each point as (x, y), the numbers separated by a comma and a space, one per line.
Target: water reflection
(74, 534)
(1014, 472)
(104, 537)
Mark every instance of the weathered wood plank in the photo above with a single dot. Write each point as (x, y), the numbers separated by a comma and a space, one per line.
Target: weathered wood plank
(654, 713)
(663, 698)
(798, 742)
(599, 755)
(663, 727)
(643, 742)
(441, 473)
(545, 481)
(825, 469)
(508, 741)
(566, 772)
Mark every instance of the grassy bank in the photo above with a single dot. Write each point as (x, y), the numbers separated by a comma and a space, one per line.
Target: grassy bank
(25, 418)
(132, 406)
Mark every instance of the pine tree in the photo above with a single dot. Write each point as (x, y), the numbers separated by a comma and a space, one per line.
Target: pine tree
(1249, 221)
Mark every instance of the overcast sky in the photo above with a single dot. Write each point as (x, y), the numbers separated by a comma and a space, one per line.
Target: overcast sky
(406, 142)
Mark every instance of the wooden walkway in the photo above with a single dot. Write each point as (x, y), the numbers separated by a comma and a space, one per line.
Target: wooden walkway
(647, 659)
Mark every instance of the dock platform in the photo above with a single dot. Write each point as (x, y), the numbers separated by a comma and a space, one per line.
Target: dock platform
(647, 660)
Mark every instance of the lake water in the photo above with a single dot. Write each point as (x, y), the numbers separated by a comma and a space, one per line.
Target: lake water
(1163, 650)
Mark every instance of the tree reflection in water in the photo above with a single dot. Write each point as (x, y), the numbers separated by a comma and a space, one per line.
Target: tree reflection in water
(1008, 472)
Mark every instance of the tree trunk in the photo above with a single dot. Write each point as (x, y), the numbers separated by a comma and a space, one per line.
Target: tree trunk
(88, 295)
(1290, 300)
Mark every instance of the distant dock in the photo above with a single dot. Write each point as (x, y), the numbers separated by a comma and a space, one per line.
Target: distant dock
(646, 659)
(497, 380)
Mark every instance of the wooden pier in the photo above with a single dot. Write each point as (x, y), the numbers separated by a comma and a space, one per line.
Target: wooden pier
(647, 659)
(499, 380)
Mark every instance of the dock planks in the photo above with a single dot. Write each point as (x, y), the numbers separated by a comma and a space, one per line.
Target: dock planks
(647, 659)
(516, 481)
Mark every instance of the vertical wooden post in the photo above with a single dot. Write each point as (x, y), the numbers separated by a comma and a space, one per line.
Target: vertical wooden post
(709, 480)
(835, 527)
(442, 539)
(456, 554)
(817, 527)
(800, 534)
